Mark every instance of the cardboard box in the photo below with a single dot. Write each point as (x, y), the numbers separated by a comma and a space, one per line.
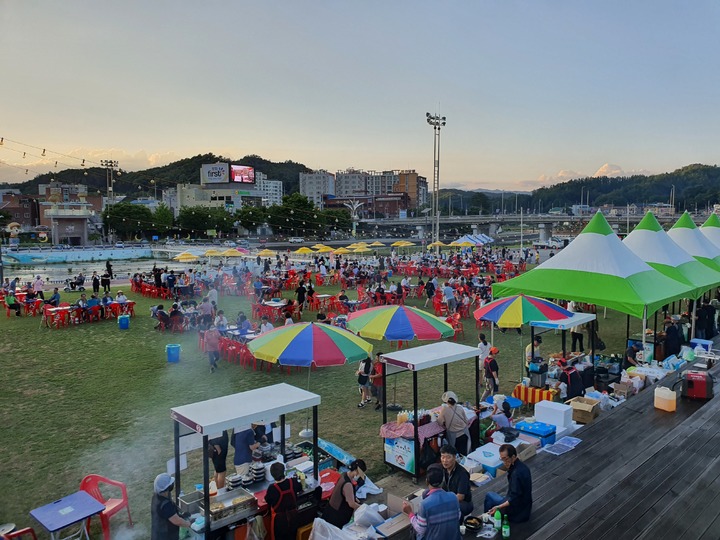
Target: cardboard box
(470, 465)
(623, 390)
(526, 451)
(585, 409)
(415, 499)
(397, 522)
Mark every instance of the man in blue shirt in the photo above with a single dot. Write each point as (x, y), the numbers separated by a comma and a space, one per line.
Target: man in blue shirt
(439, 515)
(244, 443)
(54, 300)
(171, 279)
(518, 503)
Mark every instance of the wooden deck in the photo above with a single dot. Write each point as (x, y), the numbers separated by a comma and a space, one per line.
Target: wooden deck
(638, 473)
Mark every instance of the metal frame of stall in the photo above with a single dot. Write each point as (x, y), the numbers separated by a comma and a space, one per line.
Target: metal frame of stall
(565, 325)
(210, 418)
(420, 358)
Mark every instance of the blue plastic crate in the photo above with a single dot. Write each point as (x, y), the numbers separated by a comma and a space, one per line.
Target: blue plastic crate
(544, 432)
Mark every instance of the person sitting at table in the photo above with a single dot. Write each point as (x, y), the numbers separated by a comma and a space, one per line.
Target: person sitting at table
(281, 497)
(343, 298)
(502, 418)
(321, 316)
(265, 324)
(54, 300)
(221, 322)
(243, 324)
(162, 317)
(342, 501)
(288, 319)
(107, 299)
(517, 505)
(166, 521)
(120, 298)
(12, 303)
(571, 378)
(456, 479)
(452, 418)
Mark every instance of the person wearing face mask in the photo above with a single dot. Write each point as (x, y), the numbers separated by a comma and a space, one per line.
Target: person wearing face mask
(166, 521)
(342, 501)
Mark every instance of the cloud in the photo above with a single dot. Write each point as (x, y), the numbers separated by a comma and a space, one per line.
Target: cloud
(547, 180)
(613, 171)
(13, 171)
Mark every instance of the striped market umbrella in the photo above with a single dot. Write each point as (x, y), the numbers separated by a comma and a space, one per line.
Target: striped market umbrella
(398, 323)
(514, 311)
(306, 344)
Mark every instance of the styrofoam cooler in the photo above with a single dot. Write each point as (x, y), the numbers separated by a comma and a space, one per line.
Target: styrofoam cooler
(560, 432)
(556, 414)
(545, 432)
(489, 456)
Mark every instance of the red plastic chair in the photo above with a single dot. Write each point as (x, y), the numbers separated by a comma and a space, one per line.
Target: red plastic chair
(91, 484)
(21, 533)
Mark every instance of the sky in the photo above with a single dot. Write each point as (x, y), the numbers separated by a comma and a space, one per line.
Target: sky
(534, 92)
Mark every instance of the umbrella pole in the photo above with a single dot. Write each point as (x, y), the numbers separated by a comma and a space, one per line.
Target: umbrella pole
(692, 329)
(643, 333)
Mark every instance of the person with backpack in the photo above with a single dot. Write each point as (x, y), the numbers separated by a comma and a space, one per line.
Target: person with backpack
(490, 374)
(572, 379)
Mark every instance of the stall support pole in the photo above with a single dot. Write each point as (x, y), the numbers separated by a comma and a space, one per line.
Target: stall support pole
(416, 438)
(282, 436)
(385, 388)
(206, 485)
(316, 474)
(477, 382)
(445, 377)
(692, 327)
(627, 330)
(564, 343)
(593, 333)
(176, 433)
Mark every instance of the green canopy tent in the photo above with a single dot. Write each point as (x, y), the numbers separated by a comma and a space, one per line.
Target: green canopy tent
(598, 268)
(653, 245)
(711, 229)
(686, 235)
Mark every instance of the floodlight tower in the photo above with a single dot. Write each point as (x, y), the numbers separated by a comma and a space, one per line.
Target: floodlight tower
(437, 122)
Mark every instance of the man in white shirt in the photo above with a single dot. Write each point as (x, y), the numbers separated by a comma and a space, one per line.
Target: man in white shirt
(121, 298)
(266, 325)
(212, 294)
(37, 286)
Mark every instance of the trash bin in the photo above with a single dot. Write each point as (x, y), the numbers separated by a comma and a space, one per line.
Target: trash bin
(173, 353)
(124, 322)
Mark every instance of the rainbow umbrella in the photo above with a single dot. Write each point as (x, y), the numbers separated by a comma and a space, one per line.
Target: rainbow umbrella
(305, 344)
(398, 323)
(514, 311)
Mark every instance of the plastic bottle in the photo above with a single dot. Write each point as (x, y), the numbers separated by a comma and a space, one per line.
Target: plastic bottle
(505, 527)
(498, 520)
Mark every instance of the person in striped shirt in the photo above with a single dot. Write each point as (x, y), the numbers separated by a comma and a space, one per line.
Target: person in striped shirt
(438, 517)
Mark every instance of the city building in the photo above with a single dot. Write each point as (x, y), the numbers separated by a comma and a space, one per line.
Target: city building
(226, 196)
(69, 212)
(414, 185)
(381, 183)
(272, 190)
(351, 182)
(317, 184)
(23, 209)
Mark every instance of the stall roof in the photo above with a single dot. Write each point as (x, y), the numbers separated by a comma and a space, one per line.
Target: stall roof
(427, 356)
(564, 324)
(244, 408)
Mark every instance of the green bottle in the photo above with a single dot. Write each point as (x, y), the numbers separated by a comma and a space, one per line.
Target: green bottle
(505, 527)
(498, 520)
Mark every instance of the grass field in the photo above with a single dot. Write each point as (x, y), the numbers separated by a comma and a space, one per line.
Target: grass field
(94, 399)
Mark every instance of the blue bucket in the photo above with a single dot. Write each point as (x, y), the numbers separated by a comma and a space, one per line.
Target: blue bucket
(124, 322)
(173, 353)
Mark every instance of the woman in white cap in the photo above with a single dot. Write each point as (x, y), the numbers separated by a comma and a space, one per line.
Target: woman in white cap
(452, 418)
(166, 522)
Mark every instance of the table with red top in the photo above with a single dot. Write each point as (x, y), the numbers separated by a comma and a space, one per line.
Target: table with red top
(530, 395)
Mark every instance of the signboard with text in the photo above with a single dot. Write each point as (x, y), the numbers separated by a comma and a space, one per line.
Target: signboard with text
(217, 173)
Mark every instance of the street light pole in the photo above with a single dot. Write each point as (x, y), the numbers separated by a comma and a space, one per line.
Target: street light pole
(110, 166)
(437, 122)
(353, 206)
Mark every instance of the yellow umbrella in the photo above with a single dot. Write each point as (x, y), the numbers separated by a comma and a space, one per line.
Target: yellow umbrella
(407, 243)
(183, 254)
(231, 253)
(304, 251)
(466, 244)
(189, 257)
(266, 253)
(325, 249)
(319, 246)
(399, 243)
(213, 253)
(377, 244)
(362, 250)
(437, 244)
(342, 251)
(362, 243)
(454, 243)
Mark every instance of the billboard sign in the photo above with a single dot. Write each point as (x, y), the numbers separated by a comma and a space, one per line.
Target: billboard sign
(217, 173)
(242, 174)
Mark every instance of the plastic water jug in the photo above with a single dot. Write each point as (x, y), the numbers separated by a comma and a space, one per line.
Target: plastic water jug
(665, 399)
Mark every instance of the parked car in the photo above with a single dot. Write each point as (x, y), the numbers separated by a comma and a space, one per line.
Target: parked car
(229, 243)
(296, 240)
(119, 245)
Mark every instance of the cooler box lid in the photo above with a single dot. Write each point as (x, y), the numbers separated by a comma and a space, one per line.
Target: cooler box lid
(539, 429)
(488, 454)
